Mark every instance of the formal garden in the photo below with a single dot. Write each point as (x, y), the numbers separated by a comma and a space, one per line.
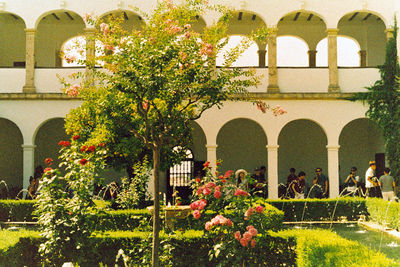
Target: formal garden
(135, 115)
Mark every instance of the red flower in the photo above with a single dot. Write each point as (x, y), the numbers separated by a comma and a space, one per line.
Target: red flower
(228, 174)
(91, 149)
(206, 165)
(223, 180)
(83, 148)
(76, 137)
(64, 143)
(197, 180)
(259, 209)
(48, 169)
(217, 194)
(83, 161)
(102, 145)
(48, 161)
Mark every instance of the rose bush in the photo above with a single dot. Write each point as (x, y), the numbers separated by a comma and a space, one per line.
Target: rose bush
(239, 223)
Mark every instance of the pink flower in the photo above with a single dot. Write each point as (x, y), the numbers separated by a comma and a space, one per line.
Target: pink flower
(249, 212)
(237, 235)
(278, 110)
(188, 26)
(217, 194)
(259, 209)
(187, 35)
(253, 231)
(194, 205)
(104, 28)
(208, 226)
(210, 184)
(228, 174)
(145, 105)
(206, 191)
(69, 58)
(198, 191)
(247, 236)
(240, 192)
(244, 242)
(262, 106)
(108, 48)
(253, 243)
(196, 214)
(73, 90)
(217, 188)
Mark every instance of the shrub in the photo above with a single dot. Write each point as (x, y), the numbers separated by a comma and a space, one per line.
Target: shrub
(384, 212)
(16, 210)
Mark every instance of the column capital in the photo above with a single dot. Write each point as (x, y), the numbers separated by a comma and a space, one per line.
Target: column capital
(273, 31)
(332, 31)
(261, 51)
(272, 147)
(28, 146)
(333, 147)
(214, 146)
(89, 30)
(30, 31)
(389, 33)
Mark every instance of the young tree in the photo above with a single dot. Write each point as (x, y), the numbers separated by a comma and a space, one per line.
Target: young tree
(155, 81)
(383, 99)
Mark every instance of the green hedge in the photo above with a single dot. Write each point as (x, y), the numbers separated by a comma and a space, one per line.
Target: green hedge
(325, 248)
(123, 219)
(384, 212)
(320, 209)
(16, 210)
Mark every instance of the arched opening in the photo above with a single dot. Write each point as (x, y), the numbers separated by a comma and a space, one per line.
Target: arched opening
(130, 20)
(249, 58)
(11, 158)
(291, 52)
(46, 141)
(52, 31)
(74, 52)
(347, 52)
(360, 141)
(12, 39)
(368, 30)
(302, 145)
(242, 145)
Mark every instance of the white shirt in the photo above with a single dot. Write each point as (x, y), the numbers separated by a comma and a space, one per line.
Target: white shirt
(369, 173)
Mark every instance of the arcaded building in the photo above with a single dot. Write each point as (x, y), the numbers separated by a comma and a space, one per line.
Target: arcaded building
(317, 55)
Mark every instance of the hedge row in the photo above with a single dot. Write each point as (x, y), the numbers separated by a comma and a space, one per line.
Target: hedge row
(16, 210)
(286, 248)
(320, 209)
(325, 248)
(384, 212)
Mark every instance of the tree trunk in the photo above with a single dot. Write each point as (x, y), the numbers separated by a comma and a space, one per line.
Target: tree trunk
(156, 214)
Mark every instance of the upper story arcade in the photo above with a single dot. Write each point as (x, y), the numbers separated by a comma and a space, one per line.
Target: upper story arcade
(304, 53)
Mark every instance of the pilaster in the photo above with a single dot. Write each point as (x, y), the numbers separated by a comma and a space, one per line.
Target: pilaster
(333, 170)
(332, 61)
(28, 160)
(212, 155)
(272, 62)
(29, 86)
(272, 171)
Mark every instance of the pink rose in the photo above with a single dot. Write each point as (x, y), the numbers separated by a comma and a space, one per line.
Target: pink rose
(228, 174)
(247, 236)
(244, 242)
(210, 184)
(194, 206)
(237, 235)
(253, 231)
(208, 226)
(206, 191)
(73, 90)
(217, 194)
(187, 35)
(229, 223)
(259, 209)
(196, 214)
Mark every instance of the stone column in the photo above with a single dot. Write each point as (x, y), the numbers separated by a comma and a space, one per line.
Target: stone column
(312, 58)
(28, 163)
(261, 57)
(29, 86)
(333, 170)
(363, 58)
(212, 155)
(332, 61)
(90, 43)
(389, 33)
(272, 62)
(272, 171)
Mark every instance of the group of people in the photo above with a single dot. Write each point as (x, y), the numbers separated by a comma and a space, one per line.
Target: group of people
(296, 185)
(382, 187)
(34, 180)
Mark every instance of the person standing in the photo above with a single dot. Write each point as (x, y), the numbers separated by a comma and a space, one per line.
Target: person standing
(290, 179)
(321, 180)
(352, 181)
(371, 182)
(298, 185)
(386, 182)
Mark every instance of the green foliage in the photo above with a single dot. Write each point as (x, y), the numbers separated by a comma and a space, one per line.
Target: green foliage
(325, 248)
(320, 209)
(123, 220)
(133, 192)
(16, 210)
(383, 99)
(384, 212)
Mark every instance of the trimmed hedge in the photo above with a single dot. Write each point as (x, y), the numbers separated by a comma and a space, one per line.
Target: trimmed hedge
(16, 210)
(325, 248)
(384, 212)
(123, 220)
(320, 209)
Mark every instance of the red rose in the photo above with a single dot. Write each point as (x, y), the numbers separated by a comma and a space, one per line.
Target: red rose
(91, 149)
(83, 161)
(205, 165)
(83, 148)
(102, 145)
(47, 170)
(197, 180)
(64, 143)
(76, 137)
(48, 161)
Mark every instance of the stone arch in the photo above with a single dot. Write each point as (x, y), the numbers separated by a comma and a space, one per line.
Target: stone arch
(244, 22)
(53, 29)
(307, 25)
(242, 145)
(298, 50)
(360, 140)
(132, 20)
(249, 58)
(302, 145)
(199, 25)
(347, 52)
(12, 37)
(11, 156)
(46, 139)
(368, 29)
